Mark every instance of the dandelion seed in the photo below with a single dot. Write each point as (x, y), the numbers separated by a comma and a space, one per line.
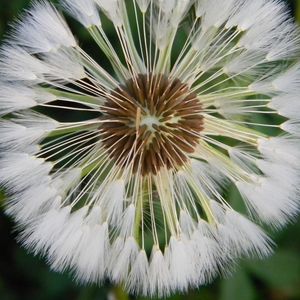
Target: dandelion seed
(116, 170)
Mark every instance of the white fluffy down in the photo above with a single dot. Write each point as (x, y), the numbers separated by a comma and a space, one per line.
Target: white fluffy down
(173, 230)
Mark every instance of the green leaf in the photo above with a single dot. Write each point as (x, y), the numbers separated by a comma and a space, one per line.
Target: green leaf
(239, 286)
(282, 271)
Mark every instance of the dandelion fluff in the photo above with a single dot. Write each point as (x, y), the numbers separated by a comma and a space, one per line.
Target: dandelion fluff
(85, 11)
(118, 170)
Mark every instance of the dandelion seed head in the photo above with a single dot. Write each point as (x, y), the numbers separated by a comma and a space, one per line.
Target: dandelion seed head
(116, 166)
(161, 118)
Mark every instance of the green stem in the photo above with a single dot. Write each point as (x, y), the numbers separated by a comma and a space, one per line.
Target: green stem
(165, 55)
(204, 203)
(132, 47)
(117, 65)
(87, 170)
(85, 99)
(60, 132)
(138, 216)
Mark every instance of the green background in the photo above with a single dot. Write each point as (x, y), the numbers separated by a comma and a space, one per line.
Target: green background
(25, 277)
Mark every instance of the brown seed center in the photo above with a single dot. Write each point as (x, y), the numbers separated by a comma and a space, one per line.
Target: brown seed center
(151, 122)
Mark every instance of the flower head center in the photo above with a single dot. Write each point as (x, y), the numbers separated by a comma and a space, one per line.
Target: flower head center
(151, 122)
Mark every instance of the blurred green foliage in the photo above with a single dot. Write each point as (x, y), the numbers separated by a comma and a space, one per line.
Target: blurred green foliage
(25, 277)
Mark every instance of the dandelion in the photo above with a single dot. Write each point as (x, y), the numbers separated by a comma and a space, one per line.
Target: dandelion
(116, 166)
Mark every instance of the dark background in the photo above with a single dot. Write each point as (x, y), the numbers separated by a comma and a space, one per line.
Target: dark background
(25, 277)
